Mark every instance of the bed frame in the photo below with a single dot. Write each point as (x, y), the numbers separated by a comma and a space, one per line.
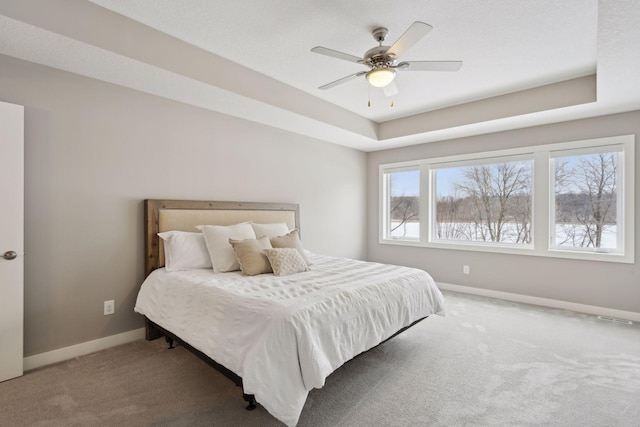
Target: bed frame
(184, 215)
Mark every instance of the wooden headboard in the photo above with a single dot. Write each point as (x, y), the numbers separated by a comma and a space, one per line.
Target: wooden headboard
(184, 215)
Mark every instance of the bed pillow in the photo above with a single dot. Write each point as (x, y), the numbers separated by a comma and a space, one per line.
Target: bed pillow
(270, 230)
(285, 261)
(223, 258)
(250, 257)
(184, 250)
(291, 240)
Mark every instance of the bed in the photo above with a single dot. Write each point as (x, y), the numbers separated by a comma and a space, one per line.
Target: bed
(276, 336)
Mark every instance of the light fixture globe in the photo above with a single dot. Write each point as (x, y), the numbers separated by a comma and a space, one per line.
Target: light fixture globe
(381, 77)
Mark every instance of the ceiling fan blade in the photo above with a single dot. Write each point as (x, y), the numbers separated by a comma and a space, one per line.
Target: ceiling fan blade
(342, 80)
(390, 90)
(335, 54)
(430, 65)
(415, 32)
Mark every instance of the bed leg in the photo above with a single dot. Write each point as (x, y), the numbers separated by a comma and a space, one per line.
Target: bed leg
(151, 332)
(250, 398)
(170, 342)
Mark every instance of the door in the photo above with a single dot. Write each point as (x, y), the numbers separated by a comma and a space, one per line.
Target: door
(11, 240)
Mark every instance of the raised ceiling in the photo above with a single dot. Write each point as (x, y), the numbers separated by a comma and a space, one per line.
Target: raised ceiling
(506, 45)
(525, 63)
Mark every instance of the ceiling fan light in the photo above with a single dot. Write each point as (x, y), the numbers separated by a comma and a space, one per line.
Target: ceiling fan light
(381, 77)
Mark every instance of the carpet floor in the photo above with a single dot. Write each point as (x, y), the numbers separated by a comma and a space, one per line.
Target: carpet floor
(487, 363)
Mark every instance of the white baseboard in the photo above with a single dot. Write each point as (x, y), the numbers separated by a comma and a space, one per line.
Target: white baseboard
(565, 305)
(66, 353)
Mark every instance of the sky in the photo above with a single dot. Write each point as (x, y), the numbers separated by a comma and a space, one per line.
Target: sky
(408, 183)
(405, 183)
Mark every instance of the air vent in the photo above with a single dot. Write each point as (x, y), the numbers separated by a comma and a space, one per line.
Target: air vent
(614, 320)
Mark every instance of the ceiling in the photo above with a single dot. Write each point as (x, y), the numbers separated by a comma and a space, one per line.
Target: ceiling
(252, 59)
(505, 45)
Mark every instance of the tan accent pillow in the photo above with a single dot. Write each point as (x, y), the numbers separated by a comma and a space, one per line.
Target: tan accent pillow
(250, 257)
(285, 261)
(291, 240)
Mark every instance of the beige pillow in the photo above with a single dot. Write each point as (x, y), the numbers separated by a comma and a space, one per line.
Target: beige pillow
(285, 261)
(291, 240)
(250, 257)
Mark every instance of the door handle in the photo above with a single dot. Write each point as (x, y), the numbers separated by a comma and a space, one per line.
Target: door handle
(9, 255)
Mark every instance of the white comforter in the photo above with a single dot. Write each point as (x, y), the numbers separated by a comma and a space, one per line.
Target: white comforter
(285, 335)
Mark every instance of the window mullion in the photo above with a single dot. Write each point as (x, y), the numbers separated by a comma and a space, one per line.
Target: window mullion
(542, 192)
(628, 192)
(426, 214)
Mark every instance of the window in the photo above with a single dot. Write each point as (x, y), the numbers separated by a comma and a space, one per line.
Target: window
(483, 202)
(569, 200)
(402, 207)
(586, 211)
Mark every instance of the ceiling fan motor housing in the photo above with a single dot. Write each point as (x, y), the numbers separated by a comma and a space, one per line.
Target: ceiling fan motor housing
(381, 60)
(377, 57)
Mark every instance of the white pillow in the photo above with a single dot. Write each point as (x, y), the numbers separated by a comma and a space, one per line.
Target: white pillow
(223, 258)
(184, 250)
(270, 230)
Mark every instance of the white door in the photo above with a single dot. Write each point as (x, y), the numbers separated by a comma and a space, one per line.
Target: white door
(11, 240)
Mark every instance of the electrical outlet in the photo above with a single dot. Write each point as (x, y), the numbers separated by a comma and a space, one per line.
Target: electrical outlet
(465, 269)
(109, 307)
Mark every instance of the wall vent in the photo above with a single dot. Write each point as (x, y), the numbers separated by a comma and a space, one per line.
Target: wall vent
(614, 320)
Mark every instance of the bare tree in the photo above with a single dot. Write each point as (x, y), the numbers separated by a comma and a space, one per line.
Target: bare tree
(450, 218)
(563, 204)
(403, 209)
(522, 219)
(499, 194)
(562, 186)
(596, 177)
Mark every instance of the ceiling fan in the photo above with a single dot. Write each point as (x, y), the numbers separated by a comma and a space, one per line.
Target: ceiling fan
(382, 60)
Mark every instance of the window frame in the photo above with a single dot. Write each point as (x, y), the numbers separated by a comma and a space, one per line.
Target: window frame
(434, 167)
(385, 183)
(542, 198)
(620, 184)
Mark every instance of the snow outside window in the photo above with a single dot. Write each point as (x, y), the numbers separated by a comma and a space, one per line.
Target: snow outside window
(587, 207)
(402, 202)
(488, 202)
(567, 200)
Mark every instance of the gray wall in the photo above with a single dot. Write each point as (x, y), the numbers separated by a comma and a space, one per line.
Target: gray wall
(602, 284)
(94, 151)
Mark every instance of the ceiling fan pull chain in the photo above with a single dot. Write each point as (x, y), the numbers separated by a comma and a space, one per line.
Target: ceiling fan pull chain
(369, 95)
(391, 103)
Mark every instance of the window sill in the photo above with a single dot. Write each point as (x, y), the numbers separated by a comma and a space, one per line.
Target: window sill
(525, 250)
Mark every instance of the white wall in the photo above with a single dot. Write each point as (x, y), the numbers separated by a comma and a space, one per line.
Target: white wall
(94, 151)
(610, 285)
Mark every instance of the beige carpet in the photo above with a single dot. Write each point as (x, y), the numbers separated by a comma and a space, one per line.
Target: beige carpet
(488, 363)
